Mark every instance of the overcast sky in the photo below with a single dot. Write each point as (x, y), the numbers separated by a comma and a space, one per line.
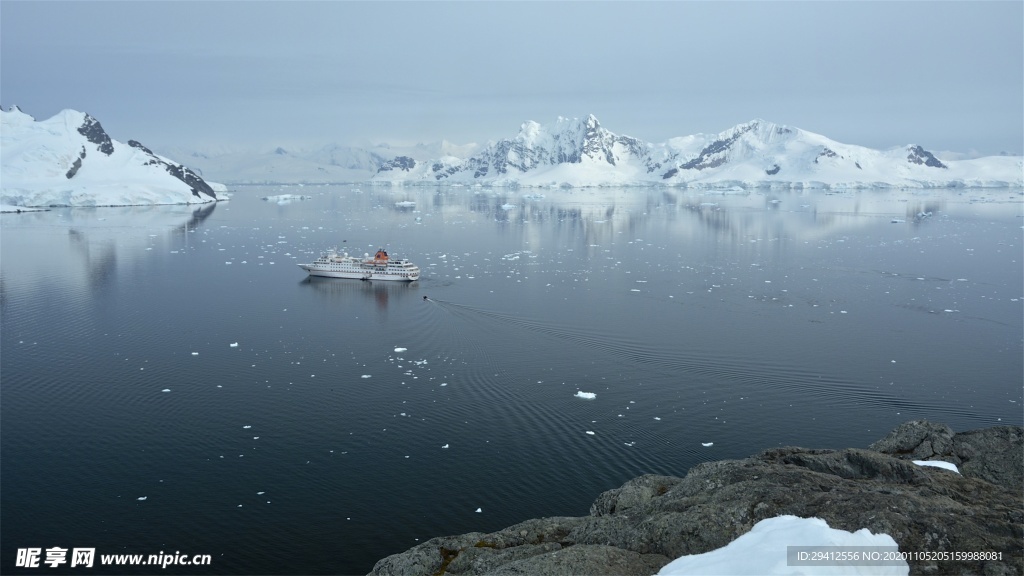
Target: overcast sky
(946, 75)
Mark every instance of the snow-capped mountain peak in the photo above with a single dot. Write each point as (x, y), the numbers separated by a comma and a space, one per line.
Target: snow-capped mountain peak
(93, 132)
(70, 160)
(569, 152)
(539, 147)
(758, 153)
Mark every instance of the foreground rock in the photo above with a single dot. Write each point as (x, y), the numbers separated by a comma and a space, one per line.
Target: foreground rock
(650, 520)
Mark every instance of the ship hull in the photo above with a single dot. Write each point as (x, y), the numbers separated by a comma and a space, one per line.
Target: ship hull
(358, 274)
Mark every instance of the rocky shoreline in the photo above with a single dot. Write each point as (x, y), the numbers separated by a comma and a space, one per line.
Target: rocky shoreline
(651, 520)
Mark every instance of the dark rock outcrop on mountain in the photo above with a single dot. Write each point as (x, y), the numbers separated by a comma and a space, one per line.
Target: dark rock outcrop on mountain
(76, 165)
(95, 133)
(826, 152)
(194, 181)
(918, 155)
(398, 163)
(650, 520)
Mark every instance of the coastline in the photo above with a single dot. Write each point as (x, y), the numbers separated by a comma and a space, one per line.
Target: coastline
(933, 512)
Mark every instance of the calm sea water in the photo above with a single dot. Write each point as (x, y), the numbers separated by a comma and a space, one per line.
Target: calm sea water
(172, 382)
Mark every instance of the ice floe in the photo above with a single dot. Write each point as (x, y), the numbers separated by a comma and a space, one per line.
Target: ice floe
(707, 444)
(286, 198)
(586, 395)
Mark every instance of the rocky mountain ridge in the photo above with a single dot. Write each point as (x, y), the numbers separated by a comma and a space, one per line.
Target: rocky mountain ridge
(70, 160)
(580, 152)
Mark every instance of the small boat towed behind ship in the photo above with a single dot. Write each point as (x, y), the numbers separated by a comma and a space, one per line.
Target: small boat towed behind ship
(379, 267)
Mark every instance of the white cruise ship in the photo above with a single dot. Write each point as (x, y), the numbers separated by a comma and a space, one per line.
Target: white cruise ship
(379, 267)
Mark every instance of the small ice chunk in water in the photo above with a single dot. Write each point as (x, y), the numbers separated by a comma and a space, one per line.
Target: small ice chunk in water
(706, 444)
(365, 376)
(166, 390)
(590, 432)
(142, 497)
(586, 395)
(233, 344)
(400, 349)
(195, 353)
(445, 447)
(479, 509)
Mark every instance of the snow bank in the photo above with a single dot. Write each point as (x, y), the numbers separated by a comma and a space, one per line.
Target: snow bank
(938, 464)
(763, 551)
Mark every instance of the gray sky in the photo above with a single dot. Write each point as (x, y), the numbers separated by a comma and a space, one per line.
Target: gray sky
(946, 75)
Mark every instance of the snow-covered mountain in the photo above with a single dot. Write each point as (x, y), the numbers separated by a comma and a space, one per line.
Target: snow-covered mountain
(327, 164)
(282, 165)
(69, 160)
(596, 155)
(756, 154)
